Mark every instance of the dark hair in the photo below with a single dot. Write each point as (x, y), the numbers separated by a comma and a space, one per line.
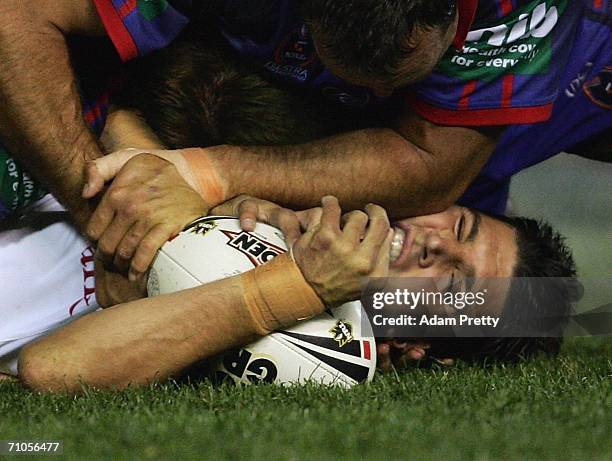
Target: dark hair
(371, 37)
(195, 94)
(543, 288)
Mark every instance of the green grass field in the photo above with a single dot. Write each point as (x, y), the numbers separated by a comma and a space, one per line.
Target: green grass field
(546, 409)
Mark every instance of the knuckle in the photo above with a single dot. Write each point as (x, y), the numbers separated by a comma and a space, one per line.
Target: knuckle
(115, 196)
(362, 264)
(105, 248)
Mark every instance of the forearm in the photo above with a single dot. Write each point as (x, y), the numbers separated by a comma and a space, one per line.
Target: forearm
(156, 338)
(376, 165)
(141, 341)
(41, 120)
(125, 129)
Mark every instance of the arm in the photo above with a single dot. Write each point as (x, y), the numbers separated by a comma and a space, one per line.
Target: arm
(125, 129)
(152, 339)
(41, 119)
(416, 168)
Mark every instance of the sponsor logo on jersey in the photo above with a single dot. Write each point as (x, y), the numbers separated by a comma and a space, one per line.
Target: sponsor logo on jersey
(295, 57)
(521, 43)
(342, 333)
(599, 89)
(89, 286)
(256, 249)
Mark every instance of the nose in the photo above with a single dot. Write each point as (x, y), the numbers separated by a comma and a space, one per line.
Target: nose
(438, 247)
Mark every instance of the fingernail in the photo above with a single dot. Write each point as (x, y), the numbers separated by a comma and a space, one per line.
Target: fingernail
(132, 276)
(248, 222)
(85, 188)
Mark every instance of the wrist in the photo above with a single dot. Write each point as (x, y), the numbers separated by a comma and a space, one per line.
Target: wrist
(277, 295)
(207, 175)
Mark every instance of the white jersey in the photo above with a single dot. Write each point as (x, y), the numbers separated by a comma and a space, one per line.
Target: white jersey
(46, 279)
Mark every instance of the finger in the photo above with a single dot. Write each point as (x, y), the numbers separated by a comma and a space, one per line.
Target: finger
(309, 218)
(330, 217)
(113, 235)
(101, 218)
(381, 268)
(103, 169)
(378, 228)
(248, 212)
(94, 181)
(129, 244)
(147, 249)
(287, 221)
(355, 225)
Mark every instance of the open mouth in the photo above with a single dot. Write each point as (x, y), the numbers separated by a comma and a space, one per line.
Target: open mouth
(397, 244)
(403, 238)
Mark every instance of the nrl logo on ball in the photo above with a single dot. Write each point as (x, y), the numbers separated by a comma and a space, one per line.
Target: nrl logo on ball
(202, 228)
(342, 333)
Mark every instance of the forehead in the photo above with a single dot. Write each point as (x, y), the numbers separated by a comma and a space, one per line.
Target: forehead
(495, 251)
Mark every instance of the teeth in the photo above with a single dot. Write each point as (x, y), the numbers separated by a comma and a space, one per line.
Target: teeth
(397, 244)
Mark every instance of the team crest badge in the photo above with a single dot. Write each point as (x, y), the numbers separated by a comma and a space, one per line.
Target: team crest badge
(599, 89)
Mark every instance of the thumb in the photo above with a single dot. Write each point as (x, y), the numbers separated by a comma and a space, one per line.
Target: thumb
(382, 264)
(100, 171)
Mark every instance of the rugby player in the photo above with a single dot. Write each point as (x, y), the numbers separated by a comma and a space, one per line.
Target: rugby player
(539, 68)
(141, 340)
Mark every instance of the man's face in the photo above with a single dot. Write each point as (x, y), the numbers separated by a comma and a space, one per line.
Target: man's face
(428, 47)
(455, 247)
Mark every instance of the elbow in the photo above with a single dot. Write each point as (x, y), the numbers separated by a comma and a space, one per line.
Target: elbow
(41, 373)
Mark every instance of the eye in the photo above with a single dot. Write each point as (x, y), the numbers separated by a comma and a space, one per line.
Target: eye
(460, 226)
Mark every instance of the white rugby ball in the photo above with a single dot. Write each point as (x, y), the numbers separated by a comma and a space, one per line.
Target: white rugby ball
(331, 348)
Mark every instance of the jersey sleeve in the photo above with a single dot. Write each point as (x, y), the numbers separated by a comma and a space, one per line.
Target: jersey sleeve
(138, 27)
(507, 72)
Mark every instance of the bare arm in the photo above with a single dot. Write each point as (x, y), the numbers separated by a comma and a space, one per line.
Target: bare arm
(140, 341)
(416, 168)
(152, 339)
(41, 120)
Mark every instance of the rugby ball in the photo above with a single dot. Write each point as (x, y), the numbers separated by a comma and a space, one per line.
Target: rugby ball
(336, 347)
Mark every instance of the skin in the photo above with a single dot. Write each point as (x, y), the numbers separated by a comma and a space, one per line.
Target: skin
(457, 244)
(41, 119)
(145, 340)
(43, 124)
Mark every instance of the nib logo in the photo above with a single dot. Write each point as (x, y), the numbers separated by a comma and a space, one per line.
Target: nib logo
(539, 23)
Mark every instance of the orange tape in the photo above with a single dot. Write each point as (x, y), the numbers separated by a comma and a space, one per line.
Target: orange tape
(278, 296)
(206, 175)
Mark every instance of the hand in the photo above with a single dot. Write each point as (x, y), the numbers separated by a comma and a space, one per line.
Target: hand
(336, 262)
(113, 288)
(196, 166)
(147, 203)
(104, 169)
(251, 210)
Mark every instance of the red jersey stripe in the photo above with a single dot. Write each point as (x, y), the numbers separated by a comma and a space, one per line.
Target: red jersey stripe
(127, 8)
(479, 117)
(468, 89)
(121, 37)
(505, 6)
(467, 12)
(507, 87)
